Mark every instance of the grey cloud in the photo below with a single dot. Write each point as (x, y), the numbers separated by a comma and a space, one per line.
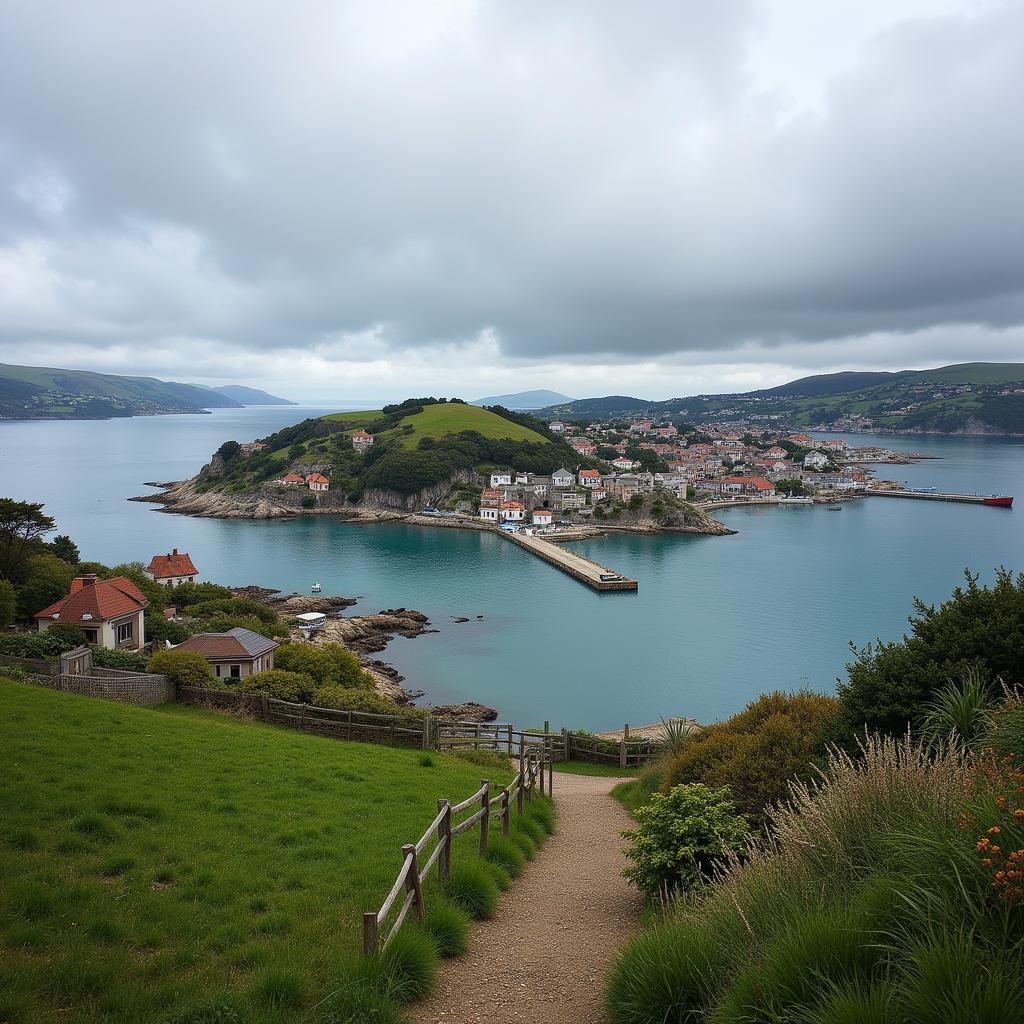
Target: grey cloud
(583, 178)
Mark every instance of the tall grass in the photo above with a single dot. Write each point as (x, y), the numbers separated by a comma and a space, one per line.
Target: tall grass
(866, 901)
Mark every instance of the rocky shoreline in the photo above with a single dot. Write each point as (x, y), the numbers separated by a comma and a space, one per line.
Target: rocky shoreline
(183, 497)
(363, 636)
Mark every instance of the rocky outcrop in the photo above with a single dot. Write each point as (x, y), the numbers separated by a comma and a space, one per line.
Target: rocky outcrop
(676, 517)
(468, 712)
(428, 496)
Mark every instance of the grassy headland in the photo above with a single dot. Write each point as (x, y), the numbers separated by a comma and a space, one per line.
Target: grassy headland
(154, 856)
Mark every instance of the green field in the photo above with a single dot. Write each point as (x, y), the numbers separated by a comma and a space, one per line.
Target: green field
(152, 857)
(436, 421)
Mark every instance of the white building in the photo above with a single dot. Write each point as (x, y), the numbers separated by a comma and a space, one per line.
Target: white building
(501, 477)
(562, 478)
(542, 517)
(512, 512)
(815, 460)
(556, 427)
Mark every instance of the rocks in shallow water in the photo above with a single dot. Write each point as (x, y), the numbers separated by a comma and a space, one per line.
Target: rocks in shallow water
(460, 618)
(468, 712)
(405, 613)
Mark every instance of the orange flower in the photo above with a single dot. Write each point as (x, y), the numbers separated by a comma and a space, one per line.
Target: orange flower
(994, 830)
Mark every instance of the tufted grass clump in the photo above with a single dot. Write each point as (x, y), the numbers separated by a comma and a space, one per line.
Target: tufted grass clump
(409, 965)
(472, 887)
(448, 925)
(503, 852)
(522, 842)
(542, 811)
(529, 827)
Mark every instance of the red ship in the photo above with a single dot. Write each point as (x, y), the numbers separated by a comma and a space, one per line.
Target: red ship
(998, 502)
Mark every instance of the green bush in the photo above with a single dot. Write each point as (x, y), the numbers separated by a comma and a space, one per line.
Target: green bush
(357, 999)
(448, 926)
(681, 838)
(979, 627)
(183, 668)
(542, 810)
(471, 886)
(528, 827)
(276, 683)
(110, 657)
(341, 699)
(758, 751)
(32, 645)
(69, 634)
(8, 603)
(327, 664)
(523, 843)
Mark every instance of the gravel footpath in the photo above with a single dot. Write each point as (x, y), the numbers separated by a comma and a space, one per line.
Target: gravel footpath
(543, 957)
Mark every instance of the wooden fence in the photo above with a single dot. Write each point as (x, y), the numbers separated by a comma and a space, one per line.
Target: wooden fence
(444, 829)
(563, 745)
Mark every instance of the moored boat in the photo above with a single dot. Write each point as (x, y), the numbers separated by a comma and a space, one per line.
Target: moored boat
(999, 502)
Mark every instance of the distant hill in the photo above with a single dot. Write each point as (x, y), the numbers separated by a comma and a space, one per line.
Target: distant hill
(247, 396)
(525, 400)
(43, 392)
(972, 398)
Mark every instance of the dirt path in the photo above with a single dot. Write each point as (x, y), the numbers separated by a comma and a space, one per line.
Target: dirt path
(543, 958)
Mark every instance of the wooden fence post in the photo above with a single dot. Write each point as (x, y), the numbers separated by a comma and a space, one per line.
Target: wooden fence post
(369, 933)
(509, 727)
(625, 732)
(504, 811)
(444, 840)
(567, 744)
(532, 770)
(476, 741)
(551, 779)
(485, 821)
(412, 881)
(622, 753)
(426, 733)
(522, 780)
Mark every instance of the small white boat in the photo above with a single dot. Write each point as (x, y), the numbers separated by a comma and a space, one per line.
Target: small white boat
(315, 588)
(310, 621)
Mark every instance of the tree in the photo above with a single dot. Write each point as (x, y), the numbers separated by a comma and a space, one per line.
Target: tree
(979, 628)
(183, 668)
(682, 837)
(22, 525)
(792, 486)
(68, 633)
(47, 579)
(8, 603)
(327, 664)
(65, 549)
(229, 451)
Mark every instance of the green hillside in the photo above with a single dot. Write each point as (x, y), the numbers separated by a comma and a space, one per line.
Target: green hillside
(965, 397)
(155, 857)
(41, 392)
(418, 443)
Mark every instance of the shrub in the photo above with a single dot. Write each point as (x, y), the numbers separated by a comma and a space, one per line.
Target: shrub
(68, 633)
(959, 712)
(542, 810)
(681, 838)
(979, 626)
(523, 843)
(309, 501)
(183, 668)
(528, 827)
(32, 645)
(472, 887)
(342, 699)
(109, 657)
(758, 751)
(503, 852)
(448, 926)
(327, 664)
(276, 683)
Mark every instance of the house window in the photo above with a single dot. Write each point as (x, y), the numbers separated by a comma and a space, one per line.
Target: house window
(91, 636)
(216, 669)
(124, 632)
(236, 671)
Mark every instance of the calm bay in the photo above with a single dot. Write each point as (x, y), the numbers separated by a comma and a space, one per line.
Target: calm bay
(715, 622)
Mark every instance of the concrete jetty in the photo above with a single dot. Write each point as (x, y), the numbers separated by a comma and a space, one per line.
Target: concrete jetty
(994, 501)
(577, 566)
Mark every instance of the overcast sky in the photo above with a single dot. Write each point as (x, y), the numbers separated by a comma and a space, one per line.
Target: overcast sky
(369, 200)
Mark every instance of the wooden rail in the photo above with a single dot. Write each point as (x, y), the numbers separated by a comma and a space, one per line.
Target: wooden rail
(411, 876)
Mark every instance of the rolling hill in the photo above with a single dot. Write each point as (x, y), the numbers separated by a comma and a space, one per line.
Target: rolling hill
(247, 396)
(975, 398)
(525, 400)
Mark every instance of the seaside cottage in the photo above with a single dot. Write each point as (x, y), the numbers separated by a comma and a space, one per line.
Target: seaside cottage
(171, 569)
(235, 654)
(542, 517)
(589, 478)
(109, 612)
(318, 482)
(512, 511)
(362, 441)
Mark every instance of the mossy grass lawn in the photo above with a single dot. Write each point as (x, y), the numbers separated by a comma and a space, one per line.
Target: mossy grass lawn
(605, 771)
(151, 857)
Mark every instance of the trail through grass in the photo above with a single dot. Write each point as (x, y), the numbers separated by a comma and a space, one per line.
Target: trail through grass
(151, 856)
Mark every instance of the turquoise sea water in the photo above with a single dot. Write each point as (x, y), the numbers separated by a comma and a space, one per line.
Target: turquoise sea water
(715, 621)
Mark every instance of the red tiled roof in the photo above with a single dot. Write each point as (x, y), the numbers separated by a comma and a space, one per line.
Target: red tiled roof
(316, 478)
(589, 473)
(511, 504)
(361, 434)
(174, 564)
(240, 643)
(99, 599)
(293, 478)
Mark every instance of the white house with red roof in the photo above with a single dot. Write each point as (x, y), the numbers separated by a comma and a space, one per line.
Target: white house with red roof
(109, 612)
(512, 511)
(543, 517)
(173, 568)
(361, 440)
(625, 462)
(318, 482)
(589, 477)
(293, 478)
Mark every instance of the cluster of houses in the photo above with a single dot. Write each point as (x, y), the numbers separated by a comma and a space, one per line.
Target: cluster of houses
(111, 613)
(724, 466)
(314, 476)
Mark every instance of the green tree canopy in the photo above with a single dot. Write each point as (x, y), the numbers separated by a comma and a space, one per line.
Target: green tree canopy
(23, 524)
